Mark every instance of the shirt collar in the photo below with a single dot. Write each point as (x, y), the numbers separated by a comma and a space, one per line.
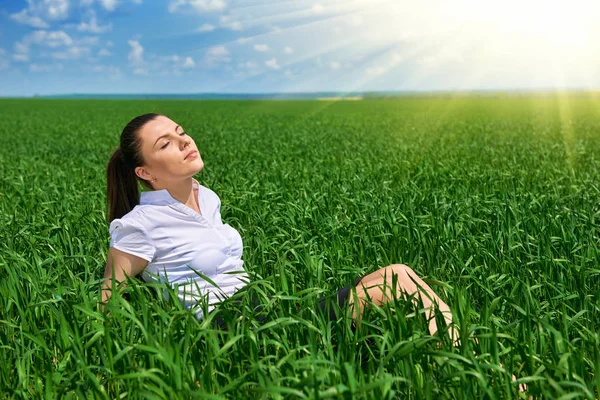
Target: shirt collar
(163, 197)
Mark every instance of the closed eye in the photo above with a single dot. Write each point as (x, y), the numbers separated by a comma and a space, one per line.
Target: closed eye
(166, 144)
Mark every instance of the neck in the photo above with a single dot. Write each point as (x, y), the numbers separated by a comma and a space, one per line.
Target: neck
(183, 191)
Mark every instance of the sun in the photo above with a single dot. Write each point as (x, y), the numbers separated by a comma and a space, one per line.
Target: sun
(551, 26)
(435, 44)
(535, 42)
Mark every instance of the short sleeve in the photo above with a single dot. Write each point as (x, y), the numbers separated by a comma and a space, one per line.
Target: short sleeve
(130, 237)
(214, 207)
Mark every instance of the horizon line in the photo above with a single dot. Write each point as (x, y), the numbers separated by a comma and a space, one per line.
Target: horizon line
(340, 93)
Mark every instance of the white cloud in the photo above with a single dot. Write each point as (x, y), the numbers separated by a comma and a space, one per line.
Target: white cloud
(136, 54)
(109, 5)
(261, 47)
(109, 43)
(208, 5)
(24, 18)
(168, 65)
(44, 67)
(104, 53)
(72, 53)
(175, 5)
(227, 22)
(56, 9)
(38, 11)
(216, 55)
(137, 1)
(272, 63)
(243, 40)
(150, 64)
(86, 41)
(234, 25)
(57, 38)
(206, 28)
(288, 73)
(113, 71)
(188, 63)
(334, 65)
(200, 6)
(39, 67)
(248, 65)
(288, 50)
(2, 52)
(217, 51)
(21, 48)
(93, 26)
(140, 71)
(21, 57)
(317, 8)
(43, 38)
(53, 44)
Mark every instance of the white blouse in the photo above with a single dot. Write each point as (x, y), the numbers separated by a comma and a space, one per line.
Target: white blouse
(179, 244)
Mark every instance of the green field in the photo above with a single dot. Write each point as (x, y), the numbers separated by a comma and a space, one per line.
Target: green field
(494, 201)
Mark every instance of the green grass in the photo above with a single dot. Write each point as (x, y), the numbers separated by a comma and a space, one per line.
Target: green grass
(494, 201)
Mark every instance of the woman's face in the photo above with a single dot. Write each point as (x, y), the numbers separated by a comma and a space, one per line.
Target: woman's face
(170, 155)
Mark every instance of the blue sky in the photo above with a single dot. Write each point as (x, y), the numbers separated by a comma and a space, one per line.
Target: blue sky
(250, 46)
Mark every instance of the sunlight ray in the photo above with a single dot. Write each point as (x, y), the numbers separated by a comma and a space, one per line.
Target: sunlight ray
(564, 114)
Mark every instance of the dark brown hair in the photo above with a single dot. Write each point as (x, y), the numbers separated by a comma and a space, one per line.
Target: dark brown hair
(122, 191)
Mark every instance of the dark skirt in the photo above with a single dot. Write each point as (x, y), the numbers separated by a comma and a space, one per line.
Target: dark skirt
(327, 305)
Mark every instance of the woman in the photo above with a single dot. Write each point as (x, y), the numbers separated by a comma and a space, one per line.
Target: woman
(174, 233)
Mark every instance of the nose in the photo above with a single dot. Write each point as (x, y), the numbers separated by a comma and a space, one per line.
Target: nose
(185, 142)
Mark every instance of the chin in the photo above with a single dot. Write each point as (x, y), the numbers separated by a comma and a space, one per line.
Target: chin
(199, 165)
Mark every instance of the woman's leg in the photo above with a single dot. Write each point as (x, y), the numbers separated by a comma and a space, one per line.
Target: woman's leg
(378, 287)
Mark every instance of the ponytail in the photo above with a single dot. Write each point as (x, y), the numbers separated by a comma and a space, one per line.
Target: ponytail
(122, 192)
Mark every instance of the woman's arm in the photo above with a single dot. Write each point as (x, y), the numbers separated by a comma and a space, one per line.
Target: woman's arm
(124, 264)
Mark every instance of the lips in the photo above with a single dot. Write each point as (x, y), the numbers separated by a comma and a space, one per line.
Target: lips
(191, 154)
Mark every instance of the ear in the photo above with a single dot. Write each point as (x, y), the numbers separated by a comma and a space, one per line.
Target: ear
(143, 173)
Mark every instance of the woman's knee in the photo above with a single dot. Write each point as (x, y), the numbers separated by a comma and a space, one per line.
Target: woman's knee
(401, 273)
(398, 269)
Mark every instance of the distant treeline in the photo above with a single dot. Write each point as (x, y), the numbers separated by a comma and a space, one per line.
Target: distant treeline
(331, 95)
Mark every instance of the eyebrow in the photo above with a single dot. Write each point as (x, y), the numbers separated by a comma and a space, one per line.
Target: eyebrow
(165, 135)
